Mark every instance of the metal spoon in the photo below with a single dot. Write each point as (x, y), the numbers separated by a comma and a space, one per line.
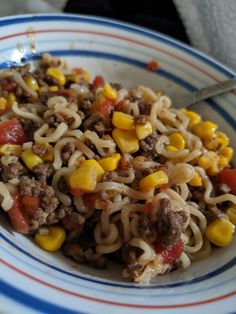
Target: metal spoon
(186, 100)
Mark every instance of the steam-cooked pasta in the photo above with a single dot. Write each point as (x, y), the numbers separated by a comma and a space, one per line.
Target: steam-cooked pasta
(118, 173)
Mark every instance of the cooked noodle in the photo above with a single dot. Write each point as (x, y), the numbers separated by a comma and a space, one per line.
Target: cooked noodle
(7, 200)
(146, 197)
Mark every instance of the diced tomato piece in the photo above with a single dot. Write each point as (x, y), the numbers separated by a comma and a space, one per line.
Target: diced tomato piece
(147, 208)
(120, 106)
(98, 82)
(4, 111)
(228, 177)
(69, 93)
(89, 200)
(164, 187)
(103, 108)
(153, 66)
(11, 132)
(106, 107)
(8, 86)
(77, 70)
(76, 192)
(172, 254)
(30, 204)
(163, 168)
(18, 219)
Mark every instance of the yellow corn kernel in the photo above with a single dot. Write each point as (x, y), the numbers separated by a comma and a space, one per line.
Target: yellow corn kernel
(3, 103)
(43, 89)
(122, 120)
(177, 140)
(226, 152)
(223, 162)
(143, 130)
(49, 155)
(126, 140)
(222, 139)
(220, 232)
(73, 78)
(159, 93)
(51, 241)
(167, 121)
(109, 92)
(32, 83)
(84, 178)
(196, 180)
(10, 149)
(231, 213)
(171, 148)
(205, 130)
(31, 159)
(208, 159)
(213, 170)
(77, 77)
(53, 88)
(211, 144)
(219, 140)
(85, 76)
(93, 163)
(194, 118)
(57, 74)
(10, 100)
(218, 166)
(153, 180)
(110, 163)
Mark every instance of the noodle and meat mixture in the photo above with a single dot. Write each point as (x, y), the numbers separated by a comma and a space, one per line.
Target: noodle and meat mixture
(101, 172)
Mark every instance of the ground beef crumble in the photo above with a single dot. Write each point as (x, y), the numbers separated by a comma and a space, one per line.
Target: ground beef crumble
(95, 123)
(129, 256)
(85, 256)
(147, 146)
(212, 213)
(62, 185)
(145, 227)
(67, 151)
(29, 128)
(12, 171)
(170, 224)
(144, 108)
(56, 118)
(47, 199)
(141, 119)
(40, 150)
(74, 221)
(85, 106)
(59, 214)
(43, 171)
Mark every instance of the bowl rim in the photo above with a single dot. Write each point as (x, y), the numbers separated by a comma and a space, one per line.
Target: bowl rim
(21, 18)
(11, 20)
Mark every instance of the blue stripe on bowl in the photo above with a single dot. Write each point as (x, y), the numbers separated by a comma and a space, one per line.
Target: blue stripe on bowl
(133, 292)
(33, 302)
(174, 65)
(208, 276)
(123, 26)
(104, 55)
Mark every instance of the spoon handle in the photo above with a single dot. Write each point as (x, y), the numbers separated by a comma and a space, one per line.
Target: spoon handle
(189, 99)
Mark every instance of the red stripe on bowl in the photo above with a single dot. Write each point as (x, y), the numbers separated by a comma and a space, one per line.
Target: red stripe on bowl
(142, 306)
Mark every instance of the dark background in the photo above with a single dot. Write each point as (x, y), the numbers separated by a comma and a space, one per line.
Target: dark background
(159, 15)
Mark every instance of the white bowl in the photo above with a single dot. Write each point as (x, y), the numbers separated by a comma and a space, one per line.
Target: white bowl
(32, 280)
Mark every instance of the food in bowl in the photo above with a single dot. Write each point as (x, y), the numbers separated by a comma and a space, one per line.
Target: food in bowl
(99, 171)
